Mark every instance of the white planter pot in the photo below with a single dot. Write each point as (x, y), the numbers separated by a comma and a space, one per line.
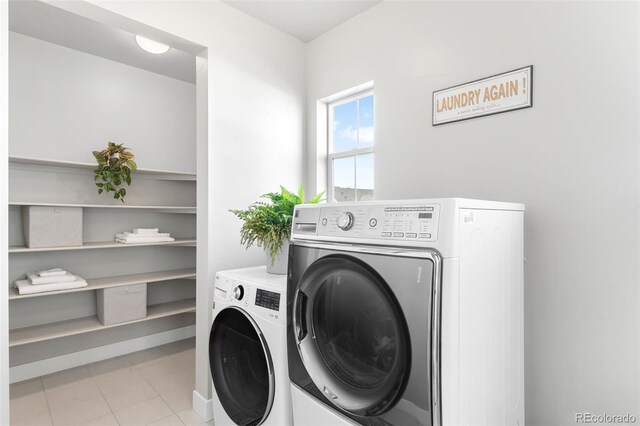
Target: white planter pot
(279, 266)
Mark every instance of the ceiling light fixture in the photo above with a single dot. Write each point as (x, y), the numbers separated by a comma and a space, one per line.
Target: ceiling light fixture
(151, 46)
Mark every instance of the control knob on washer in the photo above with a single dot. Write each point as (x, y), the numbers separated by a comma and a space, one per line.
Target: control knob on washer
(238, 292)
(345, 221)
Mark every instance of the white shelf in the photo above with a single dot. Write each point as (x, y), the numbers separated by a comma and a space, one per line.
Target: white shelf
(98, 283)
(186, 242)
(162, 209)
(40, 333)
(43, 164)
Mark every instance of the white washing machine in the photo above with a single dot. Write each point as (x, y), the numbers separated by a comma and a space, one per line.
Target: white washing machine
(248, 349)
(407, 313)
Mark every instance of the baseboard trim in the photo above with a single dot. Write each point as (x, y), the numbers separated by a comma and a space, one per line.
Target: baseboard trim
(203, 407)
(76, 359)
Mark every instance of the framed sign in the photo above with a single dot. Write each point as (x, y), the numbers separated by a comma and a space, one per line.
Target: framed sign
(499, 93)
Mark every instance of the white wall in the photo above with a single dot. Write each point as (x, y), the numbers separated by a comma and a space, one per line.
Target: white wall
(66, 103)
(572, 158)
(4, 212)
(256, 84)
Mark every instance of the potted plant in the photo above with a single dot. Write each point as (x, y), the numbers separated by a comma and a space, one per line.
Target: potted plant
(115, 165)
(268, 225)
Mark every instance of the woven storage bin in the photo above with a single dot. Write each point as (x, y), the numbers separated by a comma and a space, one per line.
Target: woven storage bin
(122, 304)
(52, 226)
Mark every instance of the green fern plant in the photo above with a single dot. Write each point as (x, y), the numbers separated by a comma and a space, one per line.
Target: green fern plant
(115, 165)
(268, 224)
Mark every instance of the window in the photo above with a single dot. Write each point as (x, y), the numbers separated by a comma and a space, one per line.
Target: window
(350, 148)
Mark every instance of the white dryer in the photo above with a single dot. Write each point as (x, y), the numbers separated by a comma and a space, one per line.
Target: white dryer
(407, 313)
(248, 349)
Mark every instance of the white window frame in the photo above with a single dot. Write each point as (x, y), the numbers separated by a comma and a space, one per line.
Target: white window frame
(352, 152)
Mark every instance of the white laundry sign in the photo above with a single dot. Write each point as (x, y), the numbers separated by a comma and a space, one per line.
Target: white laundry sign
(504, 92)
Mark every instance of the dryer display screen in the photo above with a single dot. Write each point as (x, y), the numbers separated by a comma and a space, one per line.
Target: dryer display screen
(268, 299)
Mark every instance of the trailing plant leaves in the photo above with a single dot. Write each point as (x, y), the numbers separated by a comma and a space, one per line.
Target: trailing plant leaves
(99, 157)
(115, 165)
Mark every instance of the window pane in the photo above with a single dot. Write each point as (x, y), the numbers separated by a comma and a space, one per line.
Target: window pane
(366, 122)
(344, 179)
(345, 126)
(364, 177)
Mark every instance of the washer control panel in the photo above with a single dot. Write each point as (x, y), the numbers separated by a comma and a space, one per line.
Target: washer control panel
(268, 299)
(262, 295)
(405, 222)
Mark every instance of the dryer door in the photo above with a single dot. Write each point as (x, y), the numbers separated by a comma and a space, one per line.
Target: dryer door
(352, 335)
(241, 367)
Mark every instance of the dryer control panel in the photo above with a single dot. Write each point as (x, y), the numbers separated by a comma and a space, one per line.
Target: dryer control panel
(405, 222)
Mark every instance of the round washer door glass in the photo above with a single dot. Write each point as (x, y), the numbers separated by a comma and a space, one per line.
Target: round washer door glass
(241, 367)
(360, 356)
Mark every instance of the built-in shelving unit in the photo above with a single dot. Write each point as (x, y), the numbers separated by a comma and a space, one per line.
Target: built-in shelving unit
(51, 165)
(162, 209)
(187, 242)
(40, 333)
(108, 282)
(116, 214)
(44, 164)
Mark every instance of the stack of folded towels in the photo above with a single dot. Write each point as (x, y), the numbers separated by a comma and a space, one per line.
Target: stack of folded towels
(49, 280)
(144, 235)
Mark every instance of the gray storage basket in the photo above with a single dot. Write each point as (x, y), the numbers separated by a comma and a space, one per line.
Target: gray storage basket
(52, 226)
(122, 304)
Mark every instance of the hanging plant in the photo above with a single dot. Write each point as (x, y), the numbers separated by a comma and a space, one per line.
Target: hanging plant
(115, 165)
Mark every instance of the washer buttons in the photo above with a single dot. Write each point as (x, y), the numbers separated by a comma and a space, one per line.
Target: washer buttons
(324, 221)
(373, 222)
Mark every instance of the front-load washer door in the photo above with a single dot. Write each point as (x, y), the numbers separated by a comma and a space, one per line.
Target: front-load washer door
(352, 335)
(363, 336)
(241, 367)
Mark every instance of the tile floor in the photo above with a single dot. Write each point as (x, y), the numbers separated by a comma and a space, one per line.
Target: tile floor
(151, 387)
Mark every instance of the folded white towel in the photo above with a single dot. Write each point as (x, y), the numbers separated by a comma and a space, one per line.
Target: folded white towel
(145, 231)
(35, 279)
(144, 240)
(133, 235)
(52, 272)
(25, 287)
